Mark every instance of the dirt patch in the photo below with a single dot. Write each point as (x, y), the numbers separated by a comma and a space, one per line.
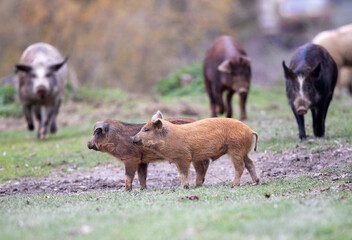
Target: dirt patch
(164, 175)
(71, 112)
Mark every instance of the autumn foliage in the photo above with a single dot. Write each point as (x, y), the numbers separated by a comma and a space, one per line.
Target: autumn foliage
(117, 43)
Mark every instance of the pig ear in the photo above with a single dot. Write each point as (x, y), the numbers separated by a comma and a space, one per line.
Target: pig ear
(225, 66)
(316, 71)
(57, 66)
(101, 127)
(23, 68)
(157, 123)
(158, 115)
(245, 60)
(289, 74)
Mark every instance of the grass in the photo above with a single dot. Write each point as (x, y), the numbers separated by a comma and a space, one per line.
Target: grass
(268, 114)
(291, 212)
(23, 155)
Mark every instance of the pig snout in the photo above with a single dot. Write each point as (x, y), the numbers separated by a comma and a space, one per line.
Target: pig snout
(242, 90)
(136, 140)
(301, 110)
(302, 106)
(41, 91)
(91, 146)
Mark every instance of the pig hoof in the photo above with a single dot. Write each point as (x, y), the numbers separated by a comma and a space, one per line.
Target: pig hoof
(53, 129)
(30, 127)
(186, 187)
(302, 139)
(235, 185)
(44, 136)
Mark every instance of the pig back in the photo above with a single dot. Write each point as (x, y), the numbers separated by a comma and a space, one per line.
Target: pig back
(338, 44)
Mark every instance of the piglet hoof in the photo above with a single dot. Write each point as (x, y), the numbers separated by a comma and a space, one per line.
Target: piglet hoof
(255, 183)
(235, 185)
(185, 187)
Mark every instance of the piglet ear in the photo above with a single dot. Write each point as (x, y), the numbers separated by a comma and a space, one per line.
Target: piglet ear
(157, 115)
(316, 71)
(57, 66)
(101, 127)
(23, 68)
(158, 124)
(225, 66)
(289, 74)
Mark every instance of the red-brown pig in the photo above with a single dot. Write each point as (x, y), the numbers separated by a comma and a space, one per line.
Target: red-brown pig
(226, 67)
(204, 139)
(310, 81)
(42, 74)
(338, 43)
(114, 138)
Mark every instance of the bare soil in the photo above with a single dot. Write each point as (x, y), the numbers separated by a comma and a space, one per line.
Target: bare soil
(164, 175)
(69, 179)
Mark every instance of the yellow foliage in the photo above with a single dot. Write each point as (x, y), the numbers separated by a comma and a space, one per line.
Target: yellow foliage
(129, 44)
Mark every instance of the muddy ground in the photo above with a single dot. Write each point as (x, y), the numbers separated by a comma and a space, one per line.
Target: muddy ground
(164, 175)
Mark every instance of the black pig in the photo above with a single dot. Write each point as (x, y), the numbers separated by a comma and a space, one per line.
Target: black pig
(310, 82)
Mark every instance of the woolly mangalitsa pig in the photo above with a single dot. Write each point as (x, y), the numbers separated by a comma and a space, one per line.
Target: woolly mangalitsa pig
(42, 74)
(338, 43)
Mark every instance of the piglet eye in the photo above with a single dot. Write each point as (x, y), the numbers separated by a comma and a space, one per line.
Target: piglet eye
(48, 75)
(32, 75)
(146, 129)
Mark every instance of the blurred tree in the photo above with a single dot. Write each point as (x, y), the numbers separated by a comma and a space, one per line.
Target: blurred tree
(116, 43)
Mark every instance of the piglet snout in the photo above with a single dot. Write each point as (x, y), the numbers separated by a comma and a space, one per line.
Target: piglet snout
(91, 146)
(136, 140)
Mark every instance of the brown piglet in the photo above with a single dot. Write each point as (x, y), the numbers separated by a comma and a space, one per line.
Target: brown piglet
(114, 138)
(204, 139)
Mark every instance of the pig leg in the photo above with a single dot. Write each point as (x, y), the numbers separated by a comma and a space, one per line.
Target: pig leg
(218, 98)
(38, 116)
(243, 100)
(183, 170)
(46, 119)
(239, 165)
(318, 122)
(142, 175)
(53, 127)
(300, 122)
(249, 164)
(229, 103)
(130, 170)
(212, 100)
(201, 169)
(27, 111)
